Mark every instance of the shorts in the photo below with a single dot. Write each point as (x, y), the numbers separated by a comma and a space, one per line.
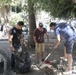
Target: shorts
(40, 48)
(69, 46)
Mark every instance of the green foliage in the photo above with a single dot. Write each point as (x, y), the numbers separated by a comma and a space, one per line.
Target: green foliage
(15, 18)
(56, 8)
(15, 2)
(59, 8)
(16, 9)
(5, 1)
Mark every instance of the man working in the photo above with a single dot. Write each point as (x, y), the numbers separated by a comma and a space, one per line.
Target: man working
(39, 41)
(15, 38)
(67, 32)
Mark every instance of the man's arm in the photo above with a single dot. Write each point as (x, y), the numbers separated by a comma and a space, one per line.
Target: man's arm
(35, 39)
(57, 41)
(10, 42)
(34, 36)
(47, 35)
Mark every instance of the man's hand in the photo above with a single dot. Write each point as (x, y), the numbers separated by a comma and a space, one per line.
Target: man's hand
(55, 46)
(57, 41)
(37, 45)
(25, 43)
(12, 49)
(48, 44)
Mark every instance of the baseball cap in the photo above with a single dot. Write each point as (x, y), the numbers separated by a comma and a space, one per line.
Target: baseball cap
(40, 24)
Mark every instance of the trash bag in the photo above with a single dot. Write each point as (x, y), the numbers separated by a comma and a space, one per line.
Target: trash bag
(24, 64)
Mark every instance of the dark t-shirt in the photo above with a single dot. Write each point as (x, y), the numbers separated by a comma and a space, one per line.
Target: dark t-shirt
(16, 35)
(39, 35)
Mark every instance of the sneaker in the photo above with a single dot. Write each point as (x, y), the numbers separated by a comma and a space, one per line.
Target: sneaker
(14, 73)
(65, 59)
(67, 73)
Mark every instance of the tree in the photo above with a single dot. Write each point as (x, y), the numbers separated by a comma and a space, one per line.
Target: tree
(32, 22)
(5, 9)
(29, 7)
(59, 8)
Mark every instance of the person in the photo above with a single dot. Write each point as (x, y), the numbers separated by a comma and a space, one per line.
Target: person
(15, 38)
(39, 41)
(2, 28)
(73, 24)
(68, 33)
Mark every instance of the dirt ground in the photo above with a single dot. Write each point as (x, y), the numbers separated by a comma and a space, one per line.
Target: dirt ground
(54, 56)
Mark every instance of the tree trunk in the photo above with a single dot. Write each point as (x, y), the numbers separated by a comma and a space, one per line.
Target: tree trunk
(5, 10)
(32, 23)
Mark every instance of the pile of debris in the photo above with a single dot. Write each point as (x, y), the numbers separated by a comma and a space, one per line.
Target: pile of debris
(55, 67)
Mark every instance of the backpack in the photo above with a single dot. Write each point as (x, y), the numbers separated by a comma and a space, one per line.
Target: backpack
(73, 25)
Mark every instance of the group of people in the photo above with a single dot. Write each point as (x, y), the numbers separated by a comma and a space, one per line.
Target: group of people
(61, 29)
